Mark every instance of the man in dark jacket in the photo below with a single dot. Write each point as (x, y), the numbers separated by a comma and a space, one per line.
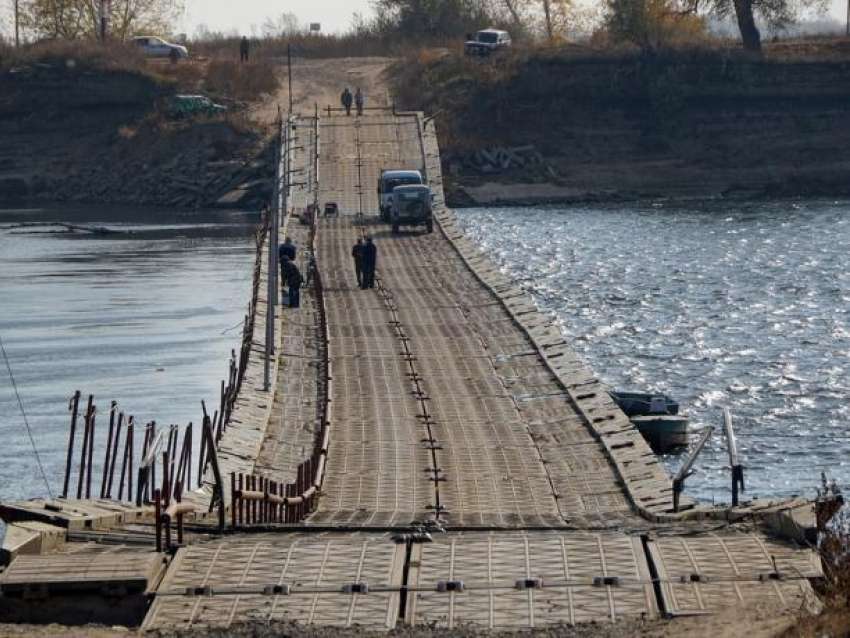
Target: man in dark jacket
(293, 279)
(243, 49)
(357, 253)
(346, 99)
(287, 249)
(358, 101)
(370, 258)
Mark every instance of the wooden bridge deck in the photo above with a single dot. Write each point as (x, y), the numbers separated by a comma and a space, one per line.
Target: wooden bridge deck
(444, 407)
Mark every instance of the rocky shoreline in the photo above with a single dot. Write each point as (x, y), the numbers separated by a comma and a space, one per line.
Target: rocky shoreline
(105, 137)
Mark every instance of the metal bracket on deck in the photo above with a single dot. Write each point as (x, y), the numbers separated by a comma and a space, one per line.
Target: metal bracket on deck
(355, 588)
(450, 585)
(606, 581)
(529, 583)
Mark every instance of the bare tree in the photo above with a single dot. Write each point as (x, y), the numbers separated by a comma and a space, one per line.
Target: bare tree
(284, 24)
(775, 14)
(76, 19)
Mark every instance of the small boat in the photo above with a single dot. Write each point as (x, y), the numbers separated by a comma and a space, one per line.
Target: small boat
(663, 431)
(643, 403)
(656, 416)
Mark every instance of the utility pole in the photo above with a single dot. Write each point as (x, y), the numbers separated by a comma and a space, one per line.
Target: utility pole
(289, 68)
(104, 18)
(17, 25)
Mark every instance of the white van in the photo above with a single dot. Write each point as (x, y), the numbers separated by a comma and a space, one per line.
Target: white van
(389, 179)
(487, 41)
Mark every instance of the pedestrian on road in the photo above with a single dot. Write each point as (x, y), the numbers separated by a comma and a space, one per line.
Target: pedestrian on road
(293, 279)
(370, 258)
(357, 253)
(358, 101)
(244, 46)
(346, 101)
(287, 249)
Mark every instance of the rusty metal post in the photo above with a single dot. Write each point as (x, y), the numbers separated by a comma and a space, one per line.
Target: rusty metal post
(178, 495)
(264, 504)
(90, 452)
(112, 409)
(219, 432)
(152, 482)
(158, 518)
(202, 453)
(166, 486)
(85, 448)
(241, 501)
(254, 504)
(131, 428)
(233, 507)
(73, 406)
(167, 525)
(111, 478)
(300, 491)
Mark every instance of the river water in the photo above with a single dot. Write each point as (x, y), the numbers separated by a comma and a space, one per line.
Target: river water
(145, 315)
(732, 305)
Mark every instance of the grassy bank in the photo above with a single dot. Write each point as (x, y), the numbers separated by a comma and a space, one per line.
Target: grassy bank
(626, 124)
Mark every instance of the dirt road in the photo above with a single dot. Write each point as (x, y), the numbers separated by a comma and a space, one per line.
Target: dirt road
(319, 83)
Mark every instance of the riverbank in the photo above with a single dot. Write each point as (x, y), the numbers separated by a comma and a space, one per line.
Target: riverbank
(84, 124)
(573, 124)
(561, 126)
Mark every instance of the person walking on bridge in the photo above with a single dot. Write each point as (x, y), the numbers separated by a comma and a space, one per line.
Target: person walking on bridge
(287, 249)
(357, 253)
(346, 101)
(292, 277)
(370, 259)
(358, 101)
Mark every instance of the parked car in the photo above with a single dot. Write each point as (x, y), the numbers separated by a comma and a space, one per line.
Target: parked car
(487, 41)
(185, 105)
(155, 47)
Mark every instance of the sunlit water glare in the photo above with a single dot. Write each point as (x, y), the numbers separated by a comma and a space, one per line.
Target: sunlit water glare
(722, 304)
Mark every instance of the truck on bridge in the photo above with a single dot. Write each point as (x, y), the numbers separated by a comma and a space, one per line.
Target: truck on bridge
(412, 207)
(391, 178)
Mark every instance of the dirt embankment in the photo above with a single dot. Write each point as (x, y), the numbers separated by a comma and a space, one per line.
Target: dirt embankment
(104, 136)
(576, 126)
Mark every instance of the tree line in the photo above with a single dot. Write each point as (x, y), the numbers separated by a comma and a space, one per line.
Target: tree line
(648, 24)
(81, 19)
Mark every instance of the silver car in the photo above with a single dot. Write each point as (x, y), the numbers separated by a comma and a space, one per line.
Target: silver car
(155, 47)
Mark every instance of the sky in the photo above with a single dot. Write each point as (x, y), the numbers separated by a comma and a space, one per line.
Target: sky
(247, 16)
(221, 15)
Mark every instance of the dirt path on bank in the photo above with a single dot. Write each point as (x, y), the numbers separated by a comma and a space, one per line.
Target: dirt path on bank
(319, 83)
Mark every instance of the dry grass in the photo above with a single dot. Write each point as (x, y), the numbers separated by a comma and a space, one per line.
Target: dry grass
(84, 54)
(224, 77)
(242, 81)
(301, 45)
